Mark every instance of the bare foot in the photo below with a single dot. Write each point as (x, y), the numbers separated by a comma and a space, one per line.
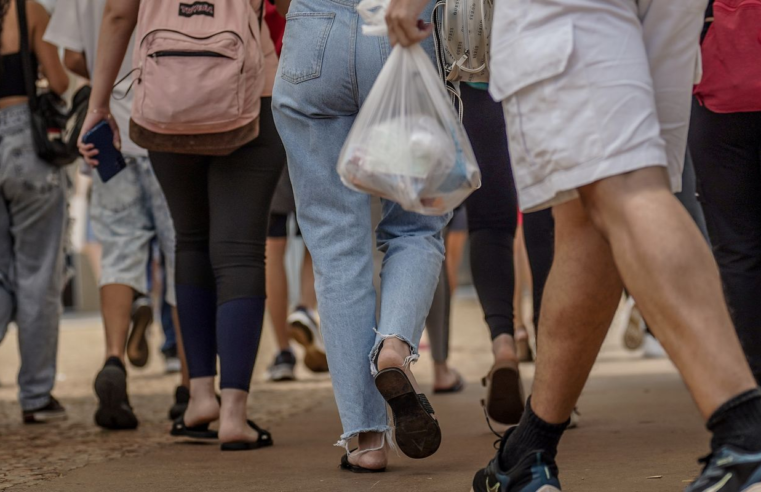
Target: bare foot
(371, 453)
(233, 421)
(503, 348)
(444, 377)
(393, 354)
(203, 406)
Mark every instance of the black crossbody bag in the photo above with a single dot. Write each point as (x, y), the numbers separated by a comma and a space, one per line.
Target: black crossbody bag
(54, 130)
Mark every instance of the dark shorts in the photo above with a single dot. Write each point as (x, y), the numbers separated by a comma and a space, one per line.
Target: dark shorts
(279, 226)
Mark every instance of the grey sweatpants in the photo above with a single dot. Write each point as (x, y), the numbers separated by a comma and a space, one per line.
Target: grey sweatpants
(33, 216)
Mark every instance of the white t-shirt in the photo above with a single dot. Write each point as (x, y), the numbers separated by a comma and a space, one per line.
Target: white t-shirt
(75, 26)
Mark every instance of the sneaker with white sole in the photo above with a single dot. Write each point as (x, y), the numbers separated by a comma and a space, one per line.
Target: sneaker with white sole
(729, 470)
(51, 412)
(282, 368)
(305, 329)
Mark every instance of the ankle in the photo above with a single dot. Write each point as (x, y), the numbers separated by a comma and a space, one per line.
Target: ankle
(738, 423)
(532, 434)
(393, 353)
(503, 348)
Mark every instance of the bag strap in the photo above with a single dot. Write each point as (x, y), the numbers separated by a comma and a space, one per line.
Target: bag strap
(708, 21)
(30, 78)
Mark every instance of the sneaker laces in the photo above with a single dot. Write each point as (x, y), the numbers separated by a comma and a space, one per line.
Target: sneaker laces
(491, 428)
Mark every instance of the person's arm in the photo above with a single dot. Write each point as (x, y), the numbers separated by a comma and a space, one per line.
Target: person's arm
(404, 26)
(76, 62)
(119, 20)
(282, 6)
(46, 53)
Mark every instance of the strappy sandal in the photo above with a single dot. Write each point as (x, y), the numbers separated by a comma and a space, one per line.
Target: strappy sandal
(346, 465)
(265, 440)
(201, 431)
(458, 386)
(504, 393)
(418, 434)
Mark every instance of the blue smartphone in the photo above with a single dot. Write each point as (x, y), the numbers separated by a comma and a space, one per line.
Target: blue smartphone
(110, 160)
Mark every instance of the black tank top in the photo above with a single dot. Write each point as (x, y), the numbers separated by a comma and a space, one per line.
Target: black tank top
(12, 81)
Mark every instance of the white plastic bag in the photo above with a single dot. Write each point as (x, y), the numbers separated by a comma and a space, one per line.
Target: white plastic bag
(407, 143)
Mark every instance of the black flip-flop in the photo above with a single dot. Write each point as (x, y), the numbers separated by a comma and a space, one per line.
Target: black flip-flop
(201, 431)
(346, 465)
(418, 434)
(458, 386)
(265, 440)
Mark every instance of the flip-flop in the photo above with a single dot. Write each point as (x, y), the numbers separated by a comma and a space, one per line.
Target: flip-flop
(201, 431)
(418, 434)
(265, 440)
(458, 386)
(504, 393)
(346, 465)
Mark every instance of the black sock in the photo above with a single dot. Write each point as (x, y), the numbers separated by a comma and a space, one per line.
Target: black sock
(532, 434)
(114, 361)
(738, 423)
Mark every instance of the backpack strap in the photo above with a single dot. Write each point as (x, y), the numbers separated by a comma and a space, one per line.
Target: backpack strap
(30, 78)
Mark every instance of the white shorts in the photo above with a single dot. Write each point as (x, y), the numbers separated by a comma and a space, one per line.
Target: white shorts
(593, 89)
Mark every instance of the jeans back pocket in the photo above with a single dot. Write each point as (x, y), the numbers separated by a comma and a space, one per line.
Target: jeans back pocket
(306, 35)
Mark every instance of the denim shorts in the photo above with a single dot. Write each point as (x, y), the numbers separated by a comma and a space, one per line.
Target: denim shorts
(126, 214)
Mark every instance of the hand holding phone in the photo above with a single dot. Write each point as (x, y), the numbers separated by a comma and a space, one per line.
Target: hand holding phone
(110, 159)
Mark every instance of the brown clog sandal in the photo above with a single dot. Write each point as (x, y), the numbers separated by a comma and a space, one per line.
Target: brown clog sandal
(504, 393)
(417, 433)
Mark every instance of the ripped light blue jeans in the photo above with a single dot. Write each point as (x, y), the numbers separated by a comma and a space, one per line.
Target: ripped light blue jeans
(327, 68)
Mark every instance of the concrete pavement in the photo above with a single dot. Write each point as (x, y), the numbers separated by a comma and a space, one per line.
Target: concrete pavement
(639, 432)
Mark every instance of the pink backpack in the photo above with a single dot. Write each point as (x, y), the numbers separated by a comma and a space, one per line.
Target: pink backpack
(198, 76)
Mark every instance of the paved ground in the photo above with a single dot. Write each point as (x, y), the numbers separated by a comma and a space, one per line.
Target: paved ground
(639, 430)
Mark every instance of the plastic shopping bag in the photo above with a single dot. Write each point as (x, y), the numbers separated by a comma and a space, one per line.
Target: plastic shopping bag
(407, 143)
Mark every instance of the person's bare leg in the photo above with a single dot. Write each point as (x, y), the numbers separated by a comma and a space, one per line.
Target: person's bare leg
(116, 308)
(203, 406)
(184, 374)
(668, 268)
(455, 247)
(308, 295)
(580, 301)
(277, 290)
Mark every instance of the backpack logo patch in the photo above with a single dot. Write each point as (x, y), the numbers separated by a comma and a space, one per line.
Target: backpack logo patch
(197, 8)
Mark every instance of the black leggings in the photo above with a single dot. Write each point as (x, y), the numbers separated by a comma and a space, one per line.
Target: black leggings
(726, 151)
(493, 218)
(220, 208)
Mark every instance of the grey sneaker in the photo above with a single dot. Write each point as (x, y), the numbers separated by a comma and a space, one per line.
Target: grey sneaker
(729, 470)
(282, 367)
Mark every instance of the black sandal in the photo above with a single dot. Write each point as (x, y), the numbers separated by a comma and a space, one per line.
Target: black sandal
(346, 465)
(418, 434)
(265, 440)
(201, 431)
(458, 386)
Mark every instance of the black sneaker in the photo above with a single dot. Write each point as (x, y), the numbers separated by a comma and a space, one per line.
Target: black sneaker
(114, 411)
(536, 472)
(137, 343)
(51, 412)
(282, 368)
(729, 470)
(181, 400)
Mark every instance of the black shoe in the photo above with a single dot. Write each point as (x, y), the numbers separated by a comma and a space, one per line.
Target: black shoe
(729, 470)
(536, 472)
(51, 412)
(181, 400)
(114, 411)
(137, 344)
(282, 369)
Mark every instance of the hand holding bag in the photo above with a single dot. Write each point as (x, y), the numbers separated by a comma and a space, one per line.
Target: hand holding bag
(407, 143)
